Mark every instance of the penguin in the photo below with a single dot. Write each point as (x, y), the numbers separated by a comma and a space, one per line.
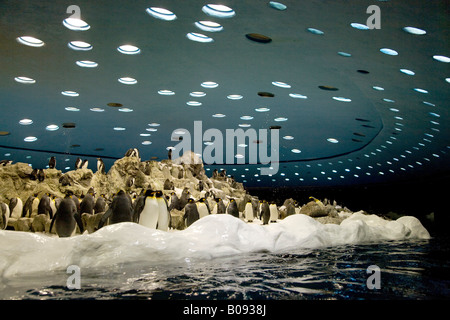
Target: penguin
(30, 207)
(233, 209)
(169, 154)
(220, 206)
(148, 210)
(174, 202)
(200, 185)
(5, 162)
(130, 182)
(273, 212)
(214, 174)
(53, 203)
(203, 208)
(64, 180)
(317, 201)
(44, 206)
(133, 152)
(184, 198)
(41, 175)
(52, 163)
(121, 210)
(4, 215)
(66, 219)
(34, 174)
(84, 165)
(265, 212)
(164, 217)
(78, 163)
(15, 208)
(168, 185)
(75, 200)
(190, 212)
(290, 209)
(100, 166)
(249, 211)
(88, 202)
(100, 204)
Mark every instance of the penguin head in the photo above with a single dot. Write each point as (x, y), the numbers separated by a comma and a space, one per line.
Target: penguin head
(158, 194)
(232, 200)
(149, 193)
(190, 200)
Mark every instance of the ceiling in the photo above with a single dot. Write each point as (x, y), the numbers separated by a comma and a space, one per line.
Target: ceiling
(336, 86)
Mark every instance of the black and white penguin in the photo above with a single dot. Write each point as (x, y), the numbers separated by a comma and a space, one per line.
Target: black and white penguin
(220, 206)
(248, 211)
(100, 204)
(88, 202)
(15, 208)
(85, 164)
(78, 163)
(52, 163)
(169, 154)
(121, 210)
(233, 209)
(5, 162)
(133, 152)
(30, 207)
(163, 212)
(66, 219)
(45, 207)
(274, 214)
(41, 175)
(100, 166)
(184, 198)
(130, 182)
(147, 210)
(34, 174)
(190, 212)
(203, 208)
(265, 212)
(4, 215)
(174, 202)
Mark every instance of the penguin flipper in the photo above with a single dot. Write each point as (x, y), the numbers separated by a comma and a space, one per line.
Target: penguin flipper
(78, 220)
(51, 223)
(104, 218)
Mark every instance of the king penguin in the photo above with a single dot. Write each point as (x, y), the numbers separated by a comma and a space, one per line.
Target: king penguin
(233, 209)
(66, 219)
(265, 212)
(121, 210)
(88, 203)
(273, 212)
(15, 208)
(203, 208)
(163, 212)
(78, 163)
(100, 166)
(45, 207)
(150, 212)
(190, 212)
(249, 211)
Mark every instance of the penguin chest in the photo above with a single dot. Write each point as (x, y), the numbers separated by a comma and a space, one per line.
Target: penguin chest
(150, 213)
(202, 210)
(273, 212)
(17, 211)
(65, 226)
(249, 212)
(163, 215)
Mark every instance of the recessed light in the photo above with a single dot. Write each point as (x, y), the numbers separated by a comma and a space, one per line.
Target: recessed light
(434, 114)
(30, 139)
(258, 37)
(394, 110)
(344, 54)
(145, 134)
(119, 128)
(277, 5)
(52, 127)
(180, 132)
(198, 37)
(388, 100)
(209, 26)
(146, 143)
(244, 125)
(389, 52)
(315, 31)
(378, 88)
(75, 109)
(24, 80)
(87, 64)
(219, 115)
(76, 24)
(408, 72)
(296, 151)
(441, 58)
(447, 79)
(288, 138)
(197, 94)
(151, 129)
(414, 30)
(218, 11)
(342, 99)
(165, 92)
(70, 93)
(429, 103)
(80, 46)
(97, 109)
(30, 41)
(246, 118)
(127, 80)
(154, 124)
(263, 109)
(128, 49)
(239, 156)
(332, 140)
(26, 122)
(235, 97)
(161, 13)
(359, 26)
(297, 96)
(280, 119)
(281, 84)
(194, 103)
(420, 90)
(209, 84)
(125, 110)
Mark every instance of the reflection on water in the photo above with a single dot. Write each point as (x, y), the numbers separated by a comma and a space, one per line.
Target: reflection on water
(409, 270)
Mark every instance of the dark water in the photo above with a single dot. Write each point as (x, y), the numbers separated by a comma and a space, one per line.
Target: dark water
(418, 269)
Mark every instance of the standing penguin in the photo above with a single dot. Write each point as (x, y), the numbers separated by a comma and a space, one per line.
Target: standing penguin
(265, 212)
(45, 207)
(169, 154)
(34, 174)
(233, 209)
(184, 198)
(88, 203)
(163, 212)
(249, 211)
(52, 163)
(15, 208)
(147, 211)
(273, 212)
(190, 212)
(121, 210)
(220, 206)
(4, 215)
(203, 208)
(85, 164)
(78, 163)
(30, 207)
(100, 166)
(174, 202)
(100, 204)
(41, 175)
(66, 219)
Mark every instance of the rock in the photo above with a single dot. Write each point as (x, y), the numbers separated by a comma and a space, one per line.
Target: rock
(313, 209)
(329, 220)
(177, 221)
(39, 223)
(91, 221)
(23, 224)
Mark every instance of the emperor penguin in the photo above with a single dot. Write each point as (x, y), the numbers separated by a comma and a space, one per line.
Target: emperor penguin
(4, 215)
(163, 212)
(248, 211)
(232, 208)
(45, 207)
(121, 210)
(53, 203)
(190, 212)
(148, 215)
(15, 208)
(100, 166)
(265, 212)
(88, 203)
(66, 219)
(52, 163)
(274, 214)
(203, 208)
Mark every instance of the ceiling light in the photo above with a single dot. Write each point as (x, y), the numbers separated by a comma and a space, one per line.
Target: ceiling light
(288, 138)
(151, 129)
(414, 30)
(199, 37)
(420, 90)
(145, 134)
(280, 119)
(441, 58)
(342, 99)
(262, 109)
(219, 115)
(146, 143)
(154, 124)
(332, 140)
(315, 31)
(218, 11)
(209, 84)
(79, 46)
(197, 94)
(125, 110)
(378, 88)
(434, 114)
(127, 80)
(389, 52)
(235, 96)
(239, 156)
(97, 109)
(72, 109)
(52, 127)
(408, 72)
(119, 128)
(70, 93)
(30, 41)
(161, 13)
(281, 84)
(246, 118)
(359, 26)
(209, 26)
(26, 122)
(128, 49)
(30, 139)
(87, 64)
(194, 103)
(277, 5)
(166, 92)
(296, 151)
(244, 125)
(297, 96)
(76, 24)
(24, 80)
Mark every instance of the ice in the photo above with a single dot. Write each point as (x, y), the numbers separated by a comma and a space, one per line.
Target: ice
(208, 238)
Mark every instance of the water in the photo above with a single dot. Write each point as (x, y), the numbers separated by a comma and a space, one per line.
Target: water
(410, 269)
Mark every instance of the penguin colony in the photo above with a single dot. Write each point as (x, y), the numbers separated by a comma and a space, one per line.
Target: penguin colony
(157, 209)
